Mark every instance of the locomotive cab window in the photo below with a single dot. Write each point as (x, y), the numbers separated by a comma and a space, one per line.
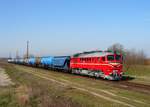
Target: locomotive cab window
(118, 57)
(110, 57)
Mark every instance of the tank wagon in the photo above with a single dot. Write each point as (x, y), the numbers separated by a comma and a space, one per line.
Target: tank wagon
(10, 60)
(31, 61)
(46, 62)
(100, 64)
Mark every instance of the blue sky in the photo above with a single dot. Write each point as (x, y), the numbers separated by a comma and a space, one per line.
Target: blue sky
(60, 27)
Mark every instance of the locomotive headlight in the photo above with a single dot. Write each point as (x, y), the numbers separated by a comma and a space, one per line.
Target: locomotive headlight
(110, 73)
(115, 71)
(122, 73)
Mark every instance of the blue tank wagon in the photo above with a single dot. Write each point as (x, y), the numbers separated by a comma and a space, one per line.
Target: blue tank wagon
(31, 61)
(46, 62)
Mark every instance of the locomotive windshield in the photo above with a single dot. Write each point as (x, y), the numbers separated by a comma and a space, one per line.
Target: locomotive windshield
(110, 57)
(113, 57)
(118, 57)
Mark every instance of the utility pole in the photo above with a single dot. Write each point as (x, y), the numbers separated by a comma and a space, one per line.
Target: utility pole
(27, 49)
(10, 56)
(17, 56)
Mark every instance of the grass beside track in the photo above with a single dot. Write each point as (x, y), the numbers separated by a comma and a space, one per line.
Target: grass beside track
(140, 73)
(44, 88)
(32, 91)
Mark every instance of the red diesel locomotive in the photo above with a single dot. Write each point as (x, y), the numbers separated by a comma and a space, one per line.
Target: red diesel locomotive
(104, 64)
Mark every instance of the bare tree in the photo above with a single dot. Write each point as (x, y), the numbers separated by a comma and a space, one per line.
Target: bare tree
(117, 47)
(132, 56)
(135, 57)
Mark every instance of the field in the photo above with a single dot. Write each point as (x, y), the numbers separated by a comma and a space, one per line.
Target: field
(36, 87)
(139, 73)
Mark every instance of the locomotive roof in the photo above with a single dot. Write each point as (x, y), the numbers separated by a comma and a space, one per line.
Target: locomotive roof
(94, 54)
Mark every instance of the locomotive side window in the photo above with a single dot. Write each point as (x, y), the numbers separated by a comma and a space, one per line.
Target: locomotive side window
(103, 58)
(110, 57)
(88, 59)
(81, 59)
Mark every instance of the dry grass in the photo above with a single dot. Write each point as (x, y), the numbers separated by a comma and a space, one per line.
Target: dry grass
(96, 86)
(23, 95)
(31, 91)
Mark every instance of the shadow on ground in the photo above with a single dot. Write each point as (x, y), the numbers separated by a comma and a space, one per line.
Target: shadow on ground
(127, 78)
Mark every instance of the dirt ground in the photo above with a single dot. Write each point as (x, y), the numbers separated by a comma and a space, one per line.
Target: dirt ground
(4, 78)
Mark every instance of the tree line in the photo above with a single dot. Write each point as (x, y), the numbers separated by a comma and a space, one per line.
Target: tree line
(131, 56)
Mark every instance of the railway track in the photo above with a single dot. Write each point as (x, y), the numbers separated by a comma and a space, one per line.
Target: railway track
(125, 84)
(132, 86)
(95, 91)
(78, 87)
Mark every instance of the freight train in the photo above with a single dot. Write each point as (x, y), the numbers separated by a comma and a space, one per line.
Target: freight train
(100, 64)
